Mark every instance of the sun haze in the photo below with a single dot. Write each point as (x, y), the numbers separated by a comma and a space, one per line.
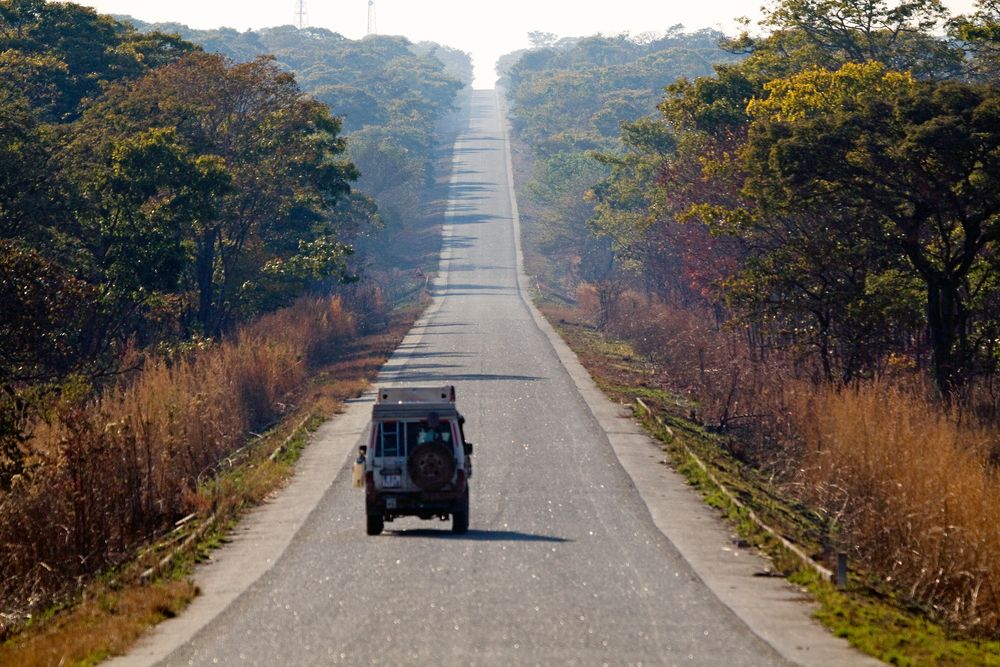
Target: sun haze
(486, 30)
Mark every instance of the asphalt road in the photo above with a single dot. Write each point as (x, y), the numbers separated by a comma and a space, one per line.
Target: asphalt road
(563, 564)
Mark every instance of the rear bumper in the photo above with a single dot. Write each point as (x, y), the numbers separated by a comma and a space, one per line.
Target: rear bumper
(425, 504)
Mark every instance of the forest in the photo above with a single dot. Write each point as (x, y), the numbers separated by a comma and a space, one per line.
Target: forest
(798, 228)
(188, 223)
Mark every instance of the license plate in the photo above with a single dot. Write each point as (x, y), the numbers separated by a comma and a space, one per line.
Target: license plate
(390, 503)
(391, 481)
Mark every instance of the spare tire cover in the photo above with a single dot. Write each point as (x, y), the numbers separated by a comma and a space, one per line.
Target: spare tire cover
(431, 465)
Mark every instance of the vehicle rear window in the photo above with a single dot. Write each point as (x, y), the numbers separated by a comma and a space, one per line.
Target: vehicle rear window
(395, 438)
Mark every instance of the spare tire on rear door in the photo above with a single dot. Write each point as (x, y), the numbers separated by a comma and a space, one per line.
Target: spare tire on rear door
(431, 465)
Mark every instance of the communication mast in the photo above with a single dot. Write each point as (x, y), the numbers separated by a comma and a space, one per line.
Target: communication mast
(371, 18)
(300, 14)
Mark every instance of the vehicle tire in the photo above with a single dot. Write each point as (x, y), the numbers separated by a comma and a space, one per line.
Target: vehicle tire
(375, 524)
(460, 518)
(431, 465)
(460, 522)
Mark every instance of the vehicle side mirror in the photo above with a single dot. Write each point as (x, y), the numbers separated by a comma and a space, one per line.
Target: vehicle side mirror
(468, 448)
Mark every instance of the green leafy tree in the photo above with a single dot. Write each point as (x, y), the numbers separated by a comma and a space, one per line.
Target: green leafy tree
(557, 192)
(900, 34)
(26, 206)
(389, 93)
(356, 106)
(578, 99)
(281, 150)
(980, 35)
(66, 52)
(391, 169)
(896, 176)
(153, 196)
(624, 200)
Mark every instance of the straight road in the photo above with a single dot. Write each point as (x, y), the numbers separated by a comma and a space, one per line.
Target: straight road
(562, 565)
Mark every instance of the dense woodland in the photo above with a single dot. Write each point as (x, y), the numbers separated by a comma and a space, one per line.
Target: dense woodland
(390, 95)
(568, 99)
(153, 190)
(165, 197)
(800, 229)
(835, 188)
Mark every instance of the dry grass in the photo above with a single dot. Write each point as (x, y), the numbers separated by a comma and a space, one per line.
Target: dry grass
(730, 385)
(113, 621)
(115, 472)
(913, 493)
(120, 607)
(912, 489)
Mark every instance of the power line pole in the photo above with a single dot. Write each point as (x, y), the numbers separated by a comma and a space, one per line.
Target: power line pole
(300, 14)
(371, 18)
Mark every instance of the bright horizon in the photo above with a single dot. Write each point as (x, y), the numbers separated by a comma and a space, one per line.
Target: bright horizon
(484, 31)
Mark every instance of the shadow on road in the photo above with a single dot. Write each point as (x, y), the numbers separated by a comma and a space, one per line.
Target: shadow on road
(478, 535)
(402, 373)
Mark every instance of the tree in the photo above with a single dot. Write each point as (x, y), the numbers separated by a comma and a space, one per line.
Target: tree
(26, 207)
(623, 201)
(155, 194)
(906, 173)
(597, 97)
(900, 34)
(69, 52)
(390, 170)
(980, 35)
(46, 316)
(560, 227)
(540, 39)
(356, 106)
(280, 149)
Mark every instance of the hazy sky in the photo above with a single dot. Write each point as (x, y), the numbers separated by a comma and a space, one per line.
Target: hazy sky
(486, 30)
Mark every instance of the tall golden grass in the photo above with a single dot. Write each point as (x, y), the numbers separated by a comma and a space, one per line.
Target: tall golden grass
(731, 385)
(913, 492)
(111, 473)
(912, 488)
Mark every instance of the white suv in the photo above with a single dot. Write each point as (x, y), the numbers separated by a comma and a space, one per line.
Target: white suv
(416, 462)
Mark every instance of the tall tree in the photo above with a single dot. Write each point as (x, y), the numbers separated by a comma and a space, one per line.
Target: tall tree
(907, 172)
(71, 51)
(900, 34)
(26, 205)
(281, 150)
(979, 33)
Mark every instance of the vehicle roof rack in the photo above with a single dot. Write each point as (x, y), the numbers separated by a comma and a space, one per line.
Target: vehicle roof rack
(405, 395)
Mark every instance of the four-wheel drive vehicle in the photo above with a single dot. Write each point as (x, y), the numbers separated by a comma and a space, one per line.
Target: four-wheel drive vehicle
(416, 462)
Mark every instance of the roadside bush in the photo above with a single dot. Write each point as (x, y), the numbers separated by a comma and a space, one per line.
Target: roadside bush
(731, 386)
(911, 486)
(110, 473)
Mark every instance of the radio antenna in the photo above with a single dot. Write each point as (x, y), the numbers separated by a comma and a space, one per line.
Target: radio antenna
(300, 14)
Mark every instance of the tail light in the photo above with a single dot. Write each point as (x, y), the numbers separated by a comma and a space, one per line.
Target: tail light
(370, 483)
(461, 480)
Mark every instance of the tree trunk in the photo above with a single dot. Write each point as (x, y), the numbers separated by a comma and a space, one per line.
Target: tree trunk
(205, 275)
(945, 323)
